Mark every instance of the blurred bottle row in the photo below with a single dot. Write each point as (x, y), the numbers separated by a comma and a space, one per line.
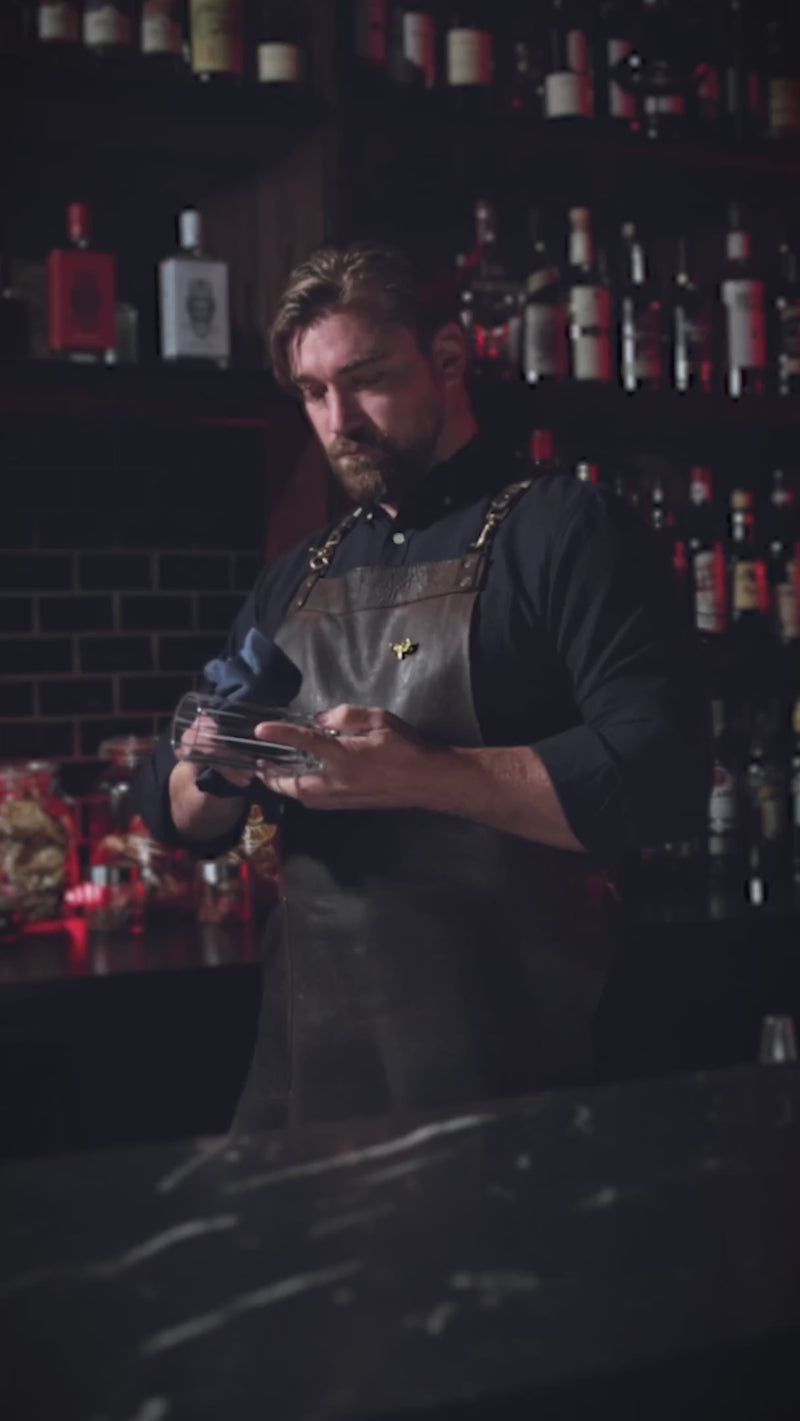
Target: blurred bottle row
(558, 309)
(658, 68)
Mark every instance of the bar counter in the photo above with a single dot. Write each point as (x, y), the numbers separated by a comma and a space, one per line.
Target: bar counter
(629, 1251)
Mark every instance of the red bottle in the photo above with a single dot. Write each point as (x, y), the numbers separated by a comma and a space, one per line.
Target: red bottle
(81, 294)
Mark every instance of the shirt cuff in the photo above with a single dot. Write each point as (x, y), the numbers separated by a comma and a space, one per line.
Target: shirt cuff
(588, 785)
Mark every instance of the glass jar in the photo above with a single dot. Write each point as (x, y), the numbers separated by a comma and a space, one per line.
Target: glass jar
(38, 846)
(223, 891)
(117, 834)
(116, 904)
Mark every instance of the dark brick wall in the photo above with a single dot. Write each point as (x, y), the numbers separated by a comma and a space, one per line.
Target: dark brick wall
(126, 548)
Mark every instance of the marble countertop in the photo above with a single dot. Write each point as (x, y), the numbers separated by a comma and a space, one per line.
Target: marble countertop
(461, 1263)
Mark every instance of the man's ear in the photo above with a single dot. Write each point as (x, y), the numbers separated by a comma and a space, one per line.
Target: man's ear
(449, 353)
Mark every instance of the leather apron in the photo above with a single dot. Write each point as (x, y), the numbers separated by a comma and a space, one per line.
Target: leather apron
(415, 959)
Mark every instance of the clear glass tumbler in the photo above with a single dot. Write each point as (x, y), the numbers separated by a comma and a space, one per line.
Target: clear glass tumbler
(214, 731)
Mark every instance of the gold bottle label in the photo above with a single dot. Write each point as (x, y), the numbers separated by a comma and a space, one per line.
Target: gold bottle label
(216, 34)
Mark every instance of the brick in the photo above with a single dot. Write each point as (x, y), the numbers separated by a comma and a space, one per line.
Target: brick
(36, 571)
(194, 570)
(35, 739)
(115, 653)
(76, 695)
(215, 613)
(246, 567)
(22, 655)
(16, 698)
(92, 733)
(76, 614)
(152, 693)
(16, 614)
(187, 653)
(155, 613)
(115, 571)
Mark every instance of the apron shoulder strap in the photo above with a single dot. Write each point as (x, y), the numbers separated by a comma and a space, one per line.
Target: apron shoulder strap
(319, 559)
(473, 562)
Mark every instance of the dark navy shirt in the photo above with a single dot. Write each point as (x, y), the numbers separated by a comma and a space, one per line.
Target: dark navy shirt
(579, 647)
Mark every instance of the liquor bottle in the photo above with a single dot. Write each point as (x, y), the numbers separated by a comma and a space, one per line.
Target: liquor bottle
(58, 23)
(589, 303)
(743, 77)
(615, 99)
(743, 298)
(787, 321)
(81, 294)
(280, 55)
(108, 27)
(540, 452)
(692, 329)
(193, 299)
(641, 365)
(216, 39)
(522, 66)
(370, 40)
(163, 36)
(782, 567)
(545, 349)
(469, 58)
(587, 472)
(783, 74)
(491, 302)
(664, 73)
(768, 807)
(413, 49)
(706, 557)
(664, 523)
(568, 83)
(748, 597)
(15, 336)
(726, 812)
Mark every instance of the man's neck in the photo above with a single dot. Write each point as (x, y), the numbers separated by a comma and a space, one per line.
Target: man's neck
(449, 444)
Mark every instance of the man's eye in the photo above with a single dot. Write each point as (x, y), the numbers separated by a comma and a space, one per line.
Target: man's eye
(310, 396)
(367, 381)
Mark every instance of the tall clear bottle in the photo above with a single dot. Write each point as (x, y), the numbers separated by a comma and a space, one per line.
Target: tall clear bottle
(743, 294)
(193, 300)
(692, 321)
(589, 303)
(569, 80)
(640, 319)
(545, 348)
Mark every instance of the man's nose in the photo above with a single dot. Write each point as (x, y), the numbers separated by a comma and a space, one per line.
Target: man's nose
(344, 414)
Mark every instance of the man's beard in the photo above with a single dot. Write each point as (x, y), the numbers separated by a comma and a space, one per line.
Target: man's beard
(374, 469)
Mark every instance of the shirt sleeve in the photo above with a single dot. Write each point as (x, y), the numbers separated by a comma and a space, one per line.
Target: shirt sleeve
(635, 771)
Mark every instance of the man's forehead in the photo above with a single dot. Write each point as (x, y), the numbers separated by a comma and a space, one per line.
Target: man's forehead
(343, 339)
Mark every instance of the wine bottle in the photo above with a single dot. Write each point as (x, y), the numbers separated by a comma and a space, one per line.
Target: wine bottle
(589, 303)
(587, 472)
(413, 61)
(280, 55)
(545, 348)
(521, 77)
(705, 38)
(768, 806)
(491, 302)
(469, 58)
(216, 39)
(568, 83)
(783, 74)
(108, 27)
(81, 294)
(782, 567)
(58, 22)
(692, 329)
(665, 77)
(743, 298)
(743, 71)
(615, 100)
(193, 299)
(370, 40)
(787, 320)
(540, 451)
(749, 633)
(706, 558)
(163, 36)
(15, 335)
(726, 812)
(641, 365)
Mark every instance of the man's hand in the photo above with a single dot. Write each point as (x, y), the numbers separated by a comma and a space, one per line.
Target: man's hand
(200, 738)
(373, 761)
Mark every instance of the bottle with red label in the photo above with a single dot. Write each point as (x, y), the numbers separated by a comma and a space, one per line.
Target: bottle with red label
(81, 294)
(569, 80)
(744, 300)
(706, 558)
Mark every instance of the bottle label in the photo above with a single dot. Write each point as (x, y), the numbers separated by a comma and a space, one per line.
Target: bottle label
(747, 341)
(194, 309)
(161, 29)
(789, 337)
(568, 95)
(58, 21)
(783, 106)
(469, 57)
(371, 22)
(641, 344)
(106, 25)
(620, 104)
(710, 612)
(750, 592)
(216, 29)
(578, 51)
(665, 105)
(590, 332)
(787, 611)
(771, 809)
(545, 350)
(419, 45)
(278, 63)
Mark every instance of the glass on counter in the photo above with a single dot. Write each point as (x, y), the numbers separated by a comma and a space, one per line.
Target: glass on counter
(38, 847)
(116, 904)
(222, 891)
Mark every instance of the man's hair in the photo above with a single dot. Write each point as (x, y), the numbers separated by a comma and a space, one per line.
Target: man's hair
(382, 281)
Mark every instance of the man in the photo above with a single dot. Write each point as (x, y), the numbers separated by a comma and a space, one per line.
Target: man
(511, 714)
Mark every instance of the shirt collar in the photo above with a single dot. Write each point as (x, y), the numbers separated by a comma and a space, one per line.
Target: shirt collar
(466, 476)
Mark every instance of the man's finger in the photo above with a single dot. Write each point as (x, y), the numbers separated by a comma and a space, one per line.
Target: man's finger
(352, 719)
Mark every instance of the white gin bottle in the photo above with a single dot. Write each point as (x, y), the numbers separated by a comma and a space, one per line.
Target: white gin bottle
(193, 299)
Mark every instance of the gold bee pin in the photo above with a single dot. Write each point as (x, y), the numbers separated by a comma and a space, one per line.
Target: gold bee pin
(404, 648)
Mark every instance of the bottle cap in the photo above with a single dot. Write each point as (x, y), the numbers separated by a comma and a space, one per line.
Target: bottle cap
(77, 222)
(190, 228)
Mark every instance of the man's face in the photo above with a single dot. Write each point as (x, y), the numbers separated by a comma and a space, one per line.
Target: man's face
(374, 401)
